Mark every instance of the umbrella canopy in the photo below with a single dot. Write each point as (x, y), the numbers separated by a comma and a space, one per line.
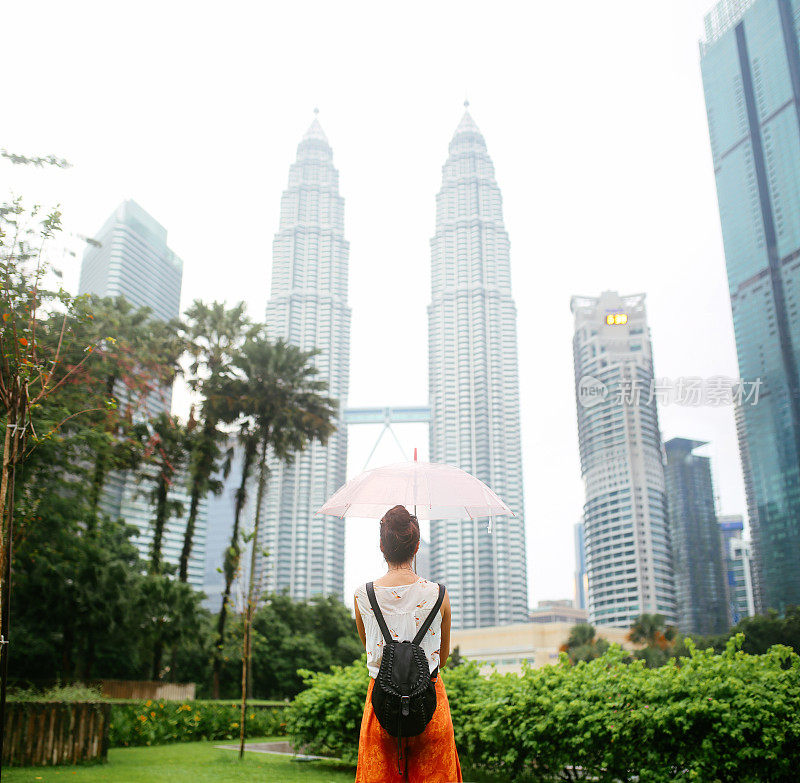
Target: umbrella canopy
(438, 491)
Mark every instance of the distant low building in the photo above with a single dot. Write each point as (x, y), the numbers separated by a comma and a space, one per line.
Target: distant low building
(507, 646)
(558, 612)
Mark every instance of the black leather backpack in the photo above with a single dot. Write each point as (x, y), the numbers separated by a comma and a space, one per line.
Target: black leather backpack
(404, 696)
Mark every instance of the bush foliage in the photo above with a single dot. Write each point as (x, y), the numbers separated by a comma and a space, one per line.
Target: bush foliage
(326, 717)
(158, 722)
(716, 718)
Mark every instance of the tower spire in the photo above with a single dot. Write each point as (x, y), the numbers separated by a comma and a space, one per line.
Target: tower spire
(315, 129)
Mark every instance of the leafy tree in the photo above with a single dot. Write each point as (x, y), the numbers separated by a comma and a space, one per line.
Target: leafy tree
(455, 658)
(134, 359)
(165, 457)
(279, 408)
(167, 612)
(213, 334)
(658, 639)
(583, 644)
(286, 403)
(31, 366)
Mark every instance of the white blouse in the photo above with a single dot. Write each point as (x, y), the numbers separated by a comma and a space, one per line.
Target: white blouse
(404, 608)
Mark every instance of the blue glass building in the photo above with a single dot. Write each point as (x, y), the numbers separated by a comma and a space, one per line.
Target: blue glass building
(750, 63)
(700, 593)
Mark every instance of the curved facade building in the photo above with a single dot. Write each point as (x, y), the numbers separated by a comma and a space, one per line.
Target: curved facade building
(474, 386)
(628, 557)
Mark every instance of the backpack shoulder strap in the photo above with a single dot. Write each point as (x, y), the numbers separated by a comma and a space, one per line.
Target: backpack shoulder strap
(431, 615)
(378, 613)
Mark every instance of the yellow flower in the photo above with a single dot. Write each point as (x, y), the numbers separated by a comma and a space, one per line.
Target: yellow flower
(234, 725)
(142, 718)
(148, 703)
(252, 716)
(152, 714)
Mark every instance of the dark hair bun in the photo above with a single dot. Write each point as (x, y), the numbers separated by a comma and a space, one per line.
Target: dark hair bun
(399, 535)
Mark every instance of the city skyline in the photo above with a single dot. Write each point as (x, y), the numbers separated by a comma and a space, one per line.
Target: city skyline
(229, 134)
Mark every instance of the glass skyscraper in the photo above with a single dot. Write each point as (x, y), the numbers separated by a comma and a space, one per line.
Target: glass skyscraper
(308, 308)
(628, 558)
(131, 259)
(750, 62)
(474, 386)
(700, 595)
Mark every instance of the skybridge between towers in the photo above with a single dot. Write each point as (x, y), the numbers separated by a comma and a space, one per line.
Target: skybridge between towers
(420, 414)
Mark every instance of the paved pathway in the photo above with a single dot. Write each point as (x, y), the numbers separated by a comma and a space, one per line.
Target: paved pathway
(282, 748)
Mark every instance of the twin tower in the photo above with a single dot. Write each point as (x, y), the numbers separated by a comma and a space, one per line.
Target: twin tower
(473, 380)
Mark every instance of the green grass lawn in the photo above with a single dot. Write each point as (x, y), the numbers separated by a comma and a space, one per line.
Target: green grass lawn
(189, 762)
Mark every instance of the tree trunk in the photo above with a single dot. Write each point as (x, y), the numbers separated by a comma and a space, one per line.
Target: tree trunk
(101, 462)
(158, 651)
(16, 423)
(159, 524)
(67, 644)
(194, 505)
(90, 656)
(231, 563)
(263, 470)
(202, 474)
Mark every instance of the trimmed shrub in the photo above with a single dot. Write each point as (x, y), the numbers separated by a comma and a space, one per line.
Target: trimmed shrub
(159, 722)
(325, 719)
(727, 718)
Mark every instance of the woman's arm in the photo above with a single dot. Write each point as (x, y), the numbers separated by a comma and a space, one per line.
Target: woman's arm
(360, 625)
(444, 649)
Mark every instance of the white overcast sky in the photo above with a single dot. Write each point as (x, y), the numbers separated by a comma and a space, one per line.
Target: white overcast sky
(593, 114)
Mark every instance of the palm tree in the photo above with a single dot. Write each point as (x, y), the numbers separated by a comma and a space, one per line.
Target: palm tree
(214, 335)
(289, 411)
(583, 644)
(136, 356)
(651, 631)
(165, 457)
(281, 408)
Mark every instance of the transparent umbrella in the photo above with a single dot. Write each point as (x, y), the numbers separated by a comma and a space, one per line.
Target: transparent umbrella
(432, 489)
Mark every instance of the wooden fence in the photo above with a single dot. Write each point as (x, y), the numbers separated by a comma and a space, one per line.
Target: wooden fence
(146, 689)
(46, 733)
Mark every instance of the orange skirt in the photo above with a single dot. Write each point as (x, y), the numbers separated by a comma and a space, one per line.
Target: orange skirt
(432, 756)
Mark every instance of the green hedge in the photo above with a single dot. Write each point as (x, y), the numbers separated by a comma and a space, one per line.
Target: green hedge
(156, 722)
(325, 718)
(724, 718)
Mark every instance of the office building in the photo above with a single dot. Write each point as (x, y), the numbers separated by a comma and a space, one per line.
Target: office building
(308, 308)
(474, 386)
(628, 561)
(580, 566)
(737, 559)
(700, 596)
(750, 63)
(538, 643)
(129, 257)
